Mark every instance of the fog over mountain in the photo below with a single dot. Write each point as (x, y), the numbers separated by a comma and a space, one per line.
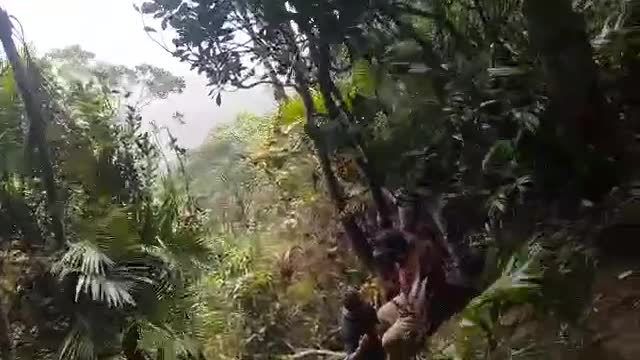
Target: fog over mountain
(114, 33)
(201, 113)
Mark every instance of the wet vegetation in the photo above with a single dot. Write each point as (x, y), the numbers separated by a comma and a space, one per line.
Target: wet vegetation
(508, 127)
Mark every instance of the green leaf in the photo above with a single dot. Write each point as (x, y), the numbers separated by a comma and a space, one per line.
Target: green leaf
(528, 120)
(77, 345)
(363, 78)
(291, 112)
(501, 151)
(150, 7)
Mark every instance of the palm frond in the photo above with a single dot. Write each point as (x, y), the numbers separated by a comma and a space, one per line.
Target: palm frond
(77, 345)
(110, 229)
(96, 275)
(517, 283)
(115, 293)
(165, 343)
(83, 257)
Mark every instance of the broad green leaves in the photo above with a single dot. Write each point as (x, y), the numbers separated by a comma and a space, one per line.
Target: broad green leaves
(363, 78)
(501, 152)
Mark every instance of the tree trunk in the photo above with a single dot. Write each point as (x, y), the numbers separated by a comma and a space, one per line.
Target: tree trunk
(33, 105)
(559, 35)
(130, 344)
(22, 215)
(279, 92)
(579, 122)
(321, 55)
(6, 345)
(358, 240)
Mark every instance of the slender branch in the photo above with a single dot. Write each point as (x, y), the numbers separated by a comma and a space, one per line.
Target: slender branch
(261, 49)
(253, 84)
(242, 45)
(162, 45)
(317, 352)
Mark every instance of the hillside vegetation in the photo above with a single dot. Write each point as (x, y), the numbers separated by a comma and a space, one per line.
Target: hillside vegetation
(515, 122)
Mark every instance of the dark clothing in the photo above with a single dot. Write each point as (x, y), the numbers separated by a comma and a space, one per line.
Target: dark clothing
(447, 301)
(354, 326)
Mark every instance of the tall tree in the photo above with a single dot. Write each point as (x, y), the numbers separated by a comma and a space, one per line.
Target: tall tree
(579, 113)
(137, 86)
(29, 82)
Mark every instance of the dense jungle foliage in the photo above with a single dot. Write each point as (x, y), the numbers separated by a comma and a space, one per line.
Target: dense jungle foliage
(515, 121)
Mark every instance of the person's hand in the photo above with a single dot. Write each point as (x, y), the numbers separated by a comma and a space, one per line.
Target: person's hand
(363, 345)
(365, 342)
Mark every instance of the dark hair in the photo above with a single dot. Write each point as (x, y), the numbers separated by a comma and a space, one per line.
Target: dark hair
(390, 246)
(351, 299)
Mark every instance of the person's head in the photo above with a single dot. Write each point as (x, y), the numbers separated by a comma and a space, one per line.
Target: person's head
(390, 247)
(360, 310)
(351, 299)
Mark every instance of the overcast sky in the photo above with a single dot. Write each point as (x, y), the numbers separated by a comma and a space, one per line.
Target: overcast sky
(113, 31)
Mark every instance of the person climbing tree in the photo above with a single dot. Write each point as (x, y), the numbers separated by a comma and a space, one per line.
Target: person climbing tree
(436, 247)
(404, 255)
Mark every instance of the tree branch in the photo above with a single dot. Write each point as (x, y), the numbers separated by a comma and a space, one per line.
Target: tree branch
(357, 238)
(317, 352)
(254, 84)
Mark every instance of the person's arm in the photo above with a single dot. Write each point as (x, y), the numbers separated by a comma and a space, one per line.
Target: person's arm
(349, 332)
(364, 345)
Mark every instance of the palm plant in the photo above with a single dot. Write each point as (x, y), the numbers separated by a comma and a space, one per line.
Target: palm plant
(134, 246)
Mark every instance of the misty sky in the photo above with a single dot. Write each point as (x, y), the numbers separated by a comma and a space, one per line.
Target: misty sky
(113, 31)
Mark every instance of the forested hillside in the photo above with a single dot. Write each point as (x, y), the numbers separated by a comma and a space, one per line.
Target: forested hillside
(497, 139)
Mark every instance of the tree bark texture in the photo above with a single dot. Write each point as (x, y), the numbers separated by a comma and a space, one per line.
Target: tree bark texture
(559, 36)
(328, 89)
(358, 241)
